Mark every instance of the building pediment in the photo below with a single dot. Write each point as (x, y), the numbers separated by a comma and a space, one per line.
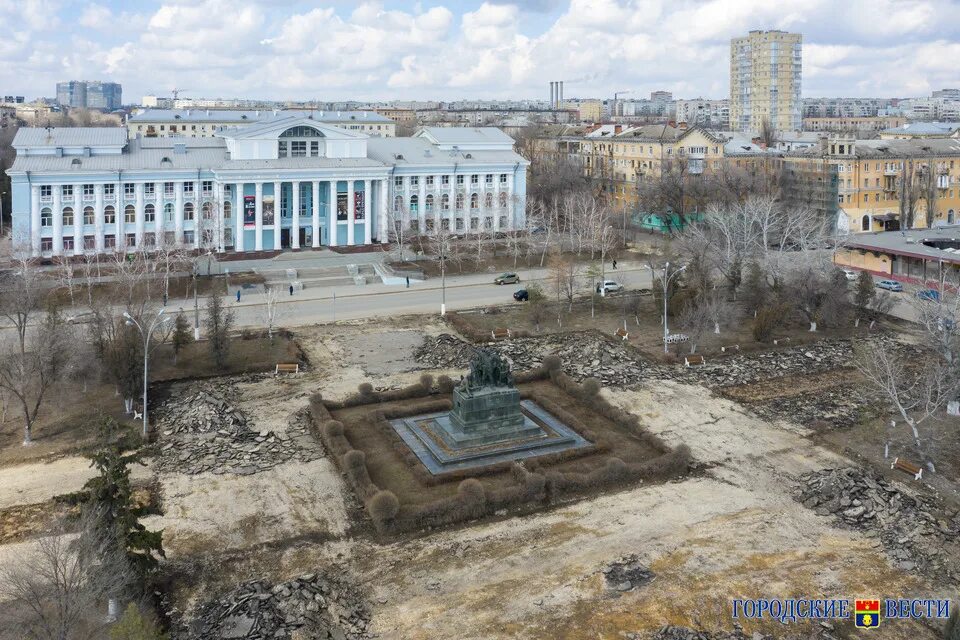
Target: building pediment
(274, 129)
(295, 137)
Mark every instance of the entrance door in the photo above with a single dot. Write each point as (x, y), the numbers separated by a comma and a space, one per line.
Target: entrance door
(303, 237)
(285, 238)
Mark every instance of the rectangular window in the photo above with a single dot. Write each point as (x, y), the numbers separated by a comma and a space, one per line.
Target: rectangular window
(503, 178)
(109, 242)
(188, 237)
(130, 215)
(444, 180)
(314, 148)
(414, 181)
(298, 148)
(46, 244)
(68, 243)
(168, 189)
(398, 182)
(46, 191)
(149, 214)
(89, 243)
(489, 178)
(88, 216)
(207, 187)
(109, 216)
(150, 189)
(66, 191)
(88, 190)
(474, 179)
(188, 187)
(459, 180)
(109, 190)
(129, 189)
(282, 149)
(131, 240)
(429, 181)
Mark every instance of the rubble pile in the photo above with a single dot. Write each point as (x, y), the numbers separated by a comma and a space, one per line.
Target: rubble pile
(836, 407)
(755, 367)
(627, 573)
(821, 631)
(310, 606)
(584, 354)
(205, 431)
(913, 533)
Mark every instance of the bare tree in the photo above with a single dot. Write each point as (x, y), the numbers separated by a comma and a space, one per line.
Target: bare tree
(908, 193)
(928, 187)
(564, 278)
(273, 309)
(916, 391)
(67, 276)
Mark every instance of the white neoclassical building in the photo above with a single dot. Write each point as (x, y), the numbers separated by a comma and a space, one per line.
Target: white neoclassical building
(290, 183)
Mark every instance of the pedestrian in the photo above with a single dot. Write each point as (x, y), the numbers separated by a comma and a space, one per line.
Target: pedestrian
(408, 282)
(164, 299)
(291, 289)
(614, 265)
(238, 295)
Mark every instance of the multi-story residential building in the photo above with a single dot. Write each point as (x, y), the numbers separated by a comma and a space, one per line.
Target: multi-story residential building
(870, 175)
(405, 117)
(765, 76)
(912, 130)
(291, 182)
(89, 94)
(661, 96)
(844, 124)
(947, 94)
(201, 123)
(711, 114)
(846, 107)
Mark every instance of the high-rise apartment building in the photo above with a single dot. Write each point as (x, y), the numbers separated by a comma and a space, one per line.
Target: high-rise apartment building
(765, 71)
(83, 94)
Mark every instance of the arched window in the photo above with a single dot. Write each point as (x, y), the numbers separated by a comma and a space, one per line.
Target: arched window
(503, 199)
(149, 213)
(428, 203)
(68, 216)
(445, 202)
(459, 202)
(474, 201)
(398, 203)
(227, 210)
(109, 215)
(865, 223)
(488, 200)
(414, 204)
(88, 215)
(206, 210)
(188, 211)
(129, 213)
(299, 142)
(168, 212)
(46, 217)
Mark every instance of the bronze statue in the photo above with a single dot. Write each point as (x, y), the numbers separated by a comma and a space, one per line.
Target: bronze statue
(487, 369)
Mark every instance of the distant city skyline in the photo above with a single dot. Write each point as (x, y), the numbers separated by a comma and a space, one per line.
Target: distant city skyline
(450, 50)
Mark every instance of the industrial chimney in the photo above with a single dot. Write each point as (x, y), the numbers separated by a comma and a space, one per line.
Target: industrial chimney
(560, 97)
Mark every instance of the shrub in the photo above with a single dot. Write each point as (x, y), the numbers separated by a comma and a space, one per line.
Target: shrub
(473, 496)
(426, 381)
(445, 384)
(333, 429)
(590, 386)
(552, 363)
(354, 458)
(365, 389)
(768, 318)
(383, 506)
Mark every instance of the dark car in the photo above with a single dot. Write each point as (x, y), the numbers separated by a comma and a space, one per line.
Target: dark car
(929, 294)
(521, 296)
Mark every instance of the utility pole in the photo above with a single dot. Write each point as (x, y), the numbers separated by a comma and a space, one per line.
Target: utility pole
(665, 279)
(443, 285)
(196, 305)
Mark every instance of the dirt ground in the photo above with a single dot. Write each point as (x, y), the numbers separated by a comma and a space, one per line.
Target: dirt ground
(729, 530)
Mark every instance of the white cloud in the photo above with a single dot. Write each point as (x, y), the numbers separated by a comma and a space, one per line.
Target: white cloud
(96, 16)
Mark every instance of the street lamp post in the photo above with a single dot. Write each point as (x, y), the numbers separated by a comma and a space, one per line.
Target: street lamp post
(2, 193)
(667, 276)
(146, 333)
(443, 284)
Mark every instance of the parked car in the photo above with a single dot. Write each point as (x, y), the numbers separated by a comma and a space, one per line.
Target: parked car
(609, 286)
(521, 296)
(82, 318)
(890, 285)
(928, 294)
(850, 275)
(506, 278)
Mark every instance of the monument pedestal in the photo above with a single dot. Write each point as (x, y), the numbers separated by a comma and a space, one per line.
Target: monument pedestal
(484, 416)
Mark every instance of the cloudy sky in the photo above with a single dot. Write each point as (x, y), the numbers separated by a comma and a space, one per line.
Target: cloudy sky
(449, 49)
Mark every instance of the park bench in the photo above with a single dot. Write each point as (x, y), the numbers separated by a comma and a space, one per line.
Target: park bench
(676, 338)
(500, 333)
(735, 347)
(287, 368)
(693, 360)
(908, 467)
(622, 334)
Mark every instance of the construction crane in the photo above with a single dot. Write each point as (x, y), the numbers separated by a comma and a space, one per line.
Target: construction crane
(176, 92)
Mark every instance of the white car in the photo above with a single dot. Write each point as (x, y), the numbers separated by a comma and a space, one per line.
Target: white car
(609, 286)
(851, 275)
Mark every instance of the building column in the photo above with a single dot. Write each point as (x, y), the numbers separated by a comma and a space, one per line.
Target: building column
(315, 215)
(141, 223)
(35, 220)
(367, 221)
(437, 195)
(383, 234)
(511, 219)
(57, 220)
(277, 199)
(453, 202)
(351, 210)
(159, 222)
(332, 214)
(422, 207)
(198, 222)
(77, 213)
(178, 213)
(219, 199)
(238, 214)
(295, 206)
(98, 217)
(258, 229)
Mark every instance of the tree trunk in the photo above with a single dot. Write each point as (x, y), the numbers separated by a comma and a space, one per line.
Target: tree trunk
(716, 328)
(128, 405)
(920, 448)
(813, 326)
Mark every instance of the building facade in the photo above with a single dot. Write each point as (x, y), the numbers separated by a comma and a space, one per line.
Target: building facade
(864, 124)
(89, 94)
(205, 123)
(765, 78)
(288, 183)
(712, 114)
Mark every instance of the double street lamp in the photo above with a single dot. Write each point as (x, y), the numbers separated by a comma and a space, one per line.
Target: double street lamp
(443, 284)
(665, 280)
(146, 332)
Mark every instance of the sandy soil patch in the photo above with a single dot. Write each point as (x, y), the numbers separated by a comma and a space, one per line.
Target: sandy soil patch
(208, 511)
(40, 481)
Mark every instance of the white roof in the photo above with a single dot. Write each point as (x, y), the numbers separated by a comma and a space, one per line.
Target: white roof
(466, 137)
(32, 137)
(263, 115)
